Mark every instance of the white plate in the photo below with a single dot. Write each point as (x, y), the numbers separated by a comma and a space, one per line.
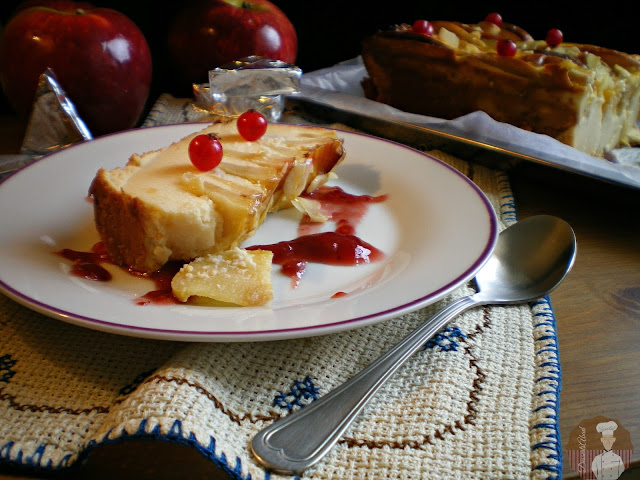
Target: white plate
(436, 229)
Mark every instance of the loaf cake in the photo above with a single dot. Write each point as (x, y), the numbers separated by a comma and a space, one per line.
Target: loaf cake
(160, 208)
(583, 95)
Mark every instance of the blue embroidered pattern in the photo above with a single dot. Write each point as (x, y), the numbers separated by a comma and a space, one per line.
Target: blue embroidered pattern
(445, 340)
(301, 393)
(550, 379)
(6, 362)
(507, 200)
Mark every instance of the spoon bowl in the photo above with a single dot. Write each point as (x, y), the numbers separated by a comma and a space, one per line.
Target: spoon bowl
(531, 258)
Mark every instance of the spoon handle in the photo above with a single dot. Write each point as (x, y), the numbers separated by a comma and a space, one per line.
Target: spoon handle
(299, 440)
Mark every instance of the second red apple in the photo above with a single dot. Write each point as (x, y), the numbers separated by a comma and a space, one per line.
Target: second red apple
(210, 33)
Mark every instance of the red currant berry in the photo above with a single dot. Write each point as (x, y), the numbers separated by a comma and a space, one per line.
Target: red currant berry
(252, 125)
(554, 37)
(494, 18)
(205, 152)
(422, 26)
(506, 48)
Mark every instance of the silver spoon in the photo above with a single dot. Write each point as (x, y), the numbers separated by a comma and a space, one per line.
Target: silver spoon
(530, 259)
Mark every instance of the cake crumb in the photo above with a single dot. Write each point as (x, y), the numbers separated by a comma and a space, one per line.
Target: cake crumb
(236, 276)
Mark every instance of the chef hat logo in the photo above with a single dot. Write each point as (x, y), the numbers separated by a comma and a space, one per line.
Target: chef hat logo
(607, 428)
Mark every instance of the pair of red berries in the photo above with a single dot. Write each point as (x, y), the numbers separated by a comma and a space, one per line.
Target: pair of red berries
(205, 150)
(507, 48)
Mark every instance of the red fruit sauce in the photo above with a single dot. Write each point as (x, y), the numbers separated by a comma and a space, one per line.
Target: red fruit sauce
(162, 294)
(330, 248)
(339, 247)
(87, 264)
(344, 209)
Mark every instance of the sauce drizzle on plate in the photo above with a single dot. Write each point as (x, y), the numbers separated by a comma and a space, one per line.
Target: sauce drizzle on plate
(339, 247)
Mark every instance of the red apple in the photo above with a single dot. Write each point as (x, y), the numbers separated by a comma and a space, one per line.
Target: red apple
(99, 56)
(209, 33)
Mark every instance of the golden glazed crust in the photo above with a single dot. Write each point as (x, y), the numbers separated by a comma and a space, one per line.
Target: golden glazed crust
(399, 76)
(562, 92)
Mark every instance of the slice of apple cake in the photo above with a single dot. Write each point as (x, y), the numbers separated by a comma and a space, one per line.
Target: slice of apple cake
(159, 207)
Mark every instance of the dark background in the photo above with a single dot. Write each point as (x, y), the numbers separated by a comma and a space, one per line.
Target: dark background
(331, 31)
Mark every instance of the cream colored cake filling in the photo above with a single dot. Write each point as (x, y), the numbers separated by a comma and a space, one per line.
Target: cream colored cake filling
(231, 200)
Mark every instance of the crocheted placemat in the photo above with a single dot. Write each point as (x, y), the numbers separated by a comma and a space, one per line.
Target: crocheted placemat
(480, 401)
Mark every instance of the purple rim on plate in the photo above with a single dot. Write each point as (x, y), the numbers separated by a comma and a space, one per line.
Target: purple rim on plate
(276, 333)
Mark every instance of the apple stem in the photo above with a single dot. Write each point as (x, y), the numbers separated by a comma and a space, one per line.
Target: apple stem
(242, 4)
(77, 11)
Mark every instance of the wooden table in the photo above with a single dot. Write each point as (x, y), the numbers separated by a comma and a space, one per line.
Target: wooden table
(597, 311)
